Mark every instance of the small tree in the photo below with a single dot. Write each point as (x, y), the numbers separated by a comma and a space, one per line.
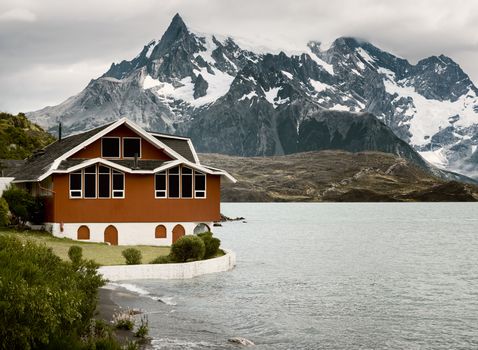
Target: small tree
(188, 248)
(21, 204)
(75, 253)
(132, 256)
(211, 244)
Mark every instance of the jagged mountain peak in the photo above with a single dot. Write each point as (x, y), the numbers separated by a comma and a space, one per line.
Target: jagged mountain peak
(255, 101)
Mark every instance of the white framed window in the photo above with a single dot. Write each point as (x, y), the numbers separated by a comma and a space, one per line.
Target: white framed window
(97, 181)
(174, 182)
(118, 184)
(186, 182)
(89, 181)
(160, 185)
(199, 185)
(131, 147)
(110, 147)
(76, 184)
(104, 182)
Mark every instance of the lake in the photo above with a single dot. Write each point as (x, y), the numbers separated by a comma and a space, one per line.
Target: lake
(329, 276)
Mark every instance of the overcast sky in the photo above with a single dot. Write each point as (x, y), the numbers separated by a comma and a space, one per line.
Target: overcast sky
(50, 49)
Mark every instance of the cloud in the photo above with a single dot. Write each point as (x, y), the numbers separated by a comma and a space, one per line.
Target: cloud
(18, 15)
(92, 34)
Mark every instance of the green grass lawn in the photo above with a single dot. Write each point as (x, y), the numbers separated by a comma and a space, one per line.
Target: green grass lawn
(102, 253)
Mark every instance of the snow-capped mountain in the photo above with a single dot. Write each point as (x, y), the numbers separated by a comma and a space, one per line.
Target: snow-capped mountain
(240, 101)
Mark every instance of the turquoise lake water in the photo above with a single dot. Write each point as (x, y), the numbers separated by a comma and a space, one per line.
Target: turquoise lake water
(329, 276)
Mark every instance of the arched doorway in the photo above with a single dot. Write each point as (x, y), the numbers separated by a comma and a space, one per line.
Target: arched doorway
(200, 228)
(111, 235)
(83, 232)
(178, 232)
(160, 232)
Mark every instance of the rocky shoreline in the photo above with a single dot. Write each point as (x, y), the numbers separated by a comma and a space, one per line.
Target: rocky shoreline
(105, 310)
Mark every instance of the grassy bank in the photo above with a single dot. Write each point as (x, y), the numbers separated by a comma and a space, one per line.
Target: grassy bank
(102, 253)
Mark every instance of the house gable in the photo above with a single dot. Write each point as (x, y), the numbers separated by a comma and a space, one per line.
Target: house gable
(78, 151)
(122, 132)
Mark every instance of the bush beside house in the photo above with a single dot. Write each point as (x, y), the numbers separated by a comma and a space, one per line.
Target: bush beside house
(48, 303)
(22, 205)
(191, 248)
(132, 256)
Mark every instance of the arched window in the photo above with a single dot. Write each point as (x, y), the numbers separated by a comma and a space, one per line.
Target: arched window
(83, 232)
(200, 228)
(160, 232)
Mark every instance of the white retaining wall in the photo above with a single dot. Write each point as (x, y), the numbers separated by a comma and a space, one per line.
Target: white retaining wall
(169, 271)
(129, 233)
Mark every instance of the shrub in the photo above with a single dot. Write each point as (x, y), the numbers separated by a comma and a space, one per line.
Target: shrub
(75, 253)
(143, 329)
(188, 248)
(21, 204)
(132, 256)
(44, 300)
(124, 320)
(163, 259)
(4, 213)
(211, 244)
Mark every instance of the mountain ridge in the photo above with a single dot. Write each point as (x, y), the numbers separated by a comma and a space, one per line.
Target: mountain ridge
(188, 82)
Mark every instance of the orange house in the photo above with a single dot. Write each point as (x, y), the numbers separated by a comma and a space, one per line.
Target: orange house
(121, 184)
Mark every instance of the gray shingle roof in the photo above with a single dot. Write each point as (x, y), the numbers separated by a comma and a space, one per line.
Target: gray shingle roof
(129, 163)
(9, 166)
(179, 145)
(40, 163)
(36, 166)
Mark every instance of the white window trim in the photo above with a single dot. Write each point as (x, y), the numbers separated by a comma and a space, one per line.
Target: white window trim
(205, 185)
(96, 181)
(124, 185)
(81, 184)
(110, 192)
(166, 184)
(140, 146)
(179, 191)
(119, 146)
(192, 182)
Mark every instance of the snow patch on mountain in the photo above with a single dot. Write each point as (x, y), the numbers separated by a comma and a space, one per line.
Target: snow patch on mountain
(288, 75)
(328, 67)
(437, 157)
(151, 46)
(218, 85)
(209, 46)
(319, 86)
(365, 55)
(273, 98)
(248, 96)
(429, 116)
(339, 107)
(149, 82)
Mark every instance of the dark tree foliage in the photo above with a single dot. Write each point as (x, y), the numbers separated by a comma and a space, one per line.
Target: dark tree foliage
(22, 204)
(44, 300)
(19, 137)
(211, 244)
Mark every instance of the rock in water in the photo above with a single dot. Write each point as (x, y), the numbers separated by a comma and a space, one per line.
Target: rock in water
(241, 341)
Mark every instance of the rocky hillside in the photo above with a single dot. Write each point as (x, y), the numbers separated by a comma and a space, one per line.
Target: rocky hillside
(335, 176)
(19, 137)
(239, 100)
